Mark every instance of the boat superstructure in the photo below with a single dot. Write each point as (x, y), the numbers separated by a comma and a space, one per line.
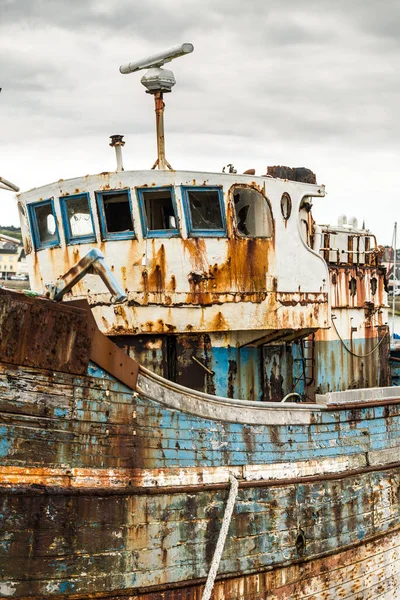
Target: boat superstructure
(194, 282)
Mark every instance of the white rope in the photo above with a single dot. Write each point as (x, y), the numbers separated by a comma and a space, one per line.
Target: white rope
(219, 548)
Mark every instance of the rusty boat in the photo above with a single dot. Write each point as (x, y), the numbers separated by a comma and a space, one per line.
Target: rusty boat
(195, 397)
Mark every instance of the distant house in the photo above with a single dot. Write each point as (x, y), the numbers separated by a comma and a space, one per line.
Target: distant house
(10, 259)
(22, 264)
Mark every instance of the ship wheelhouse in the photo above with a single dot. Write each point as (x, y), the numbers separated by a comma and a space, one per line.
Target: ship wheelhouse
(218, 278)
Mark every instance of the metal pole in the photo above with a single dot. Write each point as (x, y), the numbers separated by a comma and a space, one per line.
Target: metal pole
(118, 156)
(161, 161)
(394, 276)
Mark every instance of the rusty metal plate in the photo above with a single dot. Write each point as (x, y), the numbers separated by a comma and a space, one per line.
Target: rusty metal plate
(106, 354)
(36, 332)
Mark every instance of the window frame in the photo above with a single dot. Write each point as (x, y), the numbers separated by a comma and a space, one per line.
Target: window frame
(116, 235)
(157, 233)
(38, 245)
(186, 208)
(81, 239)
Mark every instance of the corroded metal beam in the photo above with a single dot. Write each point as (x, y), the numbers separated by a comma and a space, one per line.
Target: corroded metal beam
(37, 332)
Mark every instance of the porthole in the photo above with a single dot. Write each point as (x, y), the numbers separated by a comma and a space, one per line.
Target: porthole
(286, 206)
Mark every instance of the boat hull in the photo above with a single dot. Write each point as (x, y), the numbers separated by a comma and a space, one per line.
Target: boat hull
(108, 492)
(94, 544)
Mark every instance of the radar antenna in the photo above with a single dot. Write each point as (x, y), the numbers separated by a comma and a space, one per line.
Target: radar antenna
(7, 185)
(158, 81)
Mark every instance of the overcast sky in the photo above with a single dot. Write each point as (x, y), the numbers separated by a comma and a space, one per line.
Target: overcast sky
(310, 83)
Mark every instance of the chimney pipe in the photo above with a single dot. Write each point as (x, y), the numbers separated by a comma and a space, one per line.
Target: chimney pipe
(117, 142)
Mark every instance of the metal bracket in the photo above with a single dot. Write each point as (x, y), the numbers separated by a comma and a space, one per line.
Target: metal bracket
(93, 262)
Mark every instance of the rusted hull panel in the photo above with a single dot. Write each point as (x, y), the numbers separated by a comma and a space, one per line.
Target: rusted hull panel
(322, 538)
(268, 372)
(231, 312)
(364, 572)
(358, 286)
(366, 365)
(37, 333)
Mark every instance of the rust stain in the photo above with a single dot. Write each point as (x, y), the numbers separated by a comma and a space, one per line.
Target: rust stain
(123, 275)
(220, 323)
(172, 284)
(157, 272)
(196, 249)
(244, 271)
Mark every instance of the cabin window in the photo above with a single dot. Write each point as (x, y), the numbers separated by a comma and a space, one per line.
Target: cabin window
(115, 214)
(77, 218)
(204, 211)
(158, 212)
(44, 224)
(253, 213)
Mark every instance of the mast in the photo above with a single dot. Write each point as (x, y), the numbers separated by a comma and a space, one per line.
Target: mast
(394, 277)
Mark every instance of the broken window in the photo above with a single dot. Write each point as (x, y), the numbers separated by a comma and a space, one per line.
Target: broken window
(115, 214)
(26, 236)
(44, 224)
(374, 285)
(77, 217)
(158, 212)
(253, 214)
(204, 210)
(353, 286)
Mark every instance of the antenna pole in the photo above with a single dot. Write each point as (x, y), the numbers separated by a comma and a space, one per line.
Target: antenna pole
(157, 81)
(161, 161)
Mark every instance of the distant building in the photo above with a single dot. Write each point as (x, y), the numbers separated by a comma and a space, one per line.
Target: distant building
(22, 263)
(388, 262)
(11, 259)
(388, 254)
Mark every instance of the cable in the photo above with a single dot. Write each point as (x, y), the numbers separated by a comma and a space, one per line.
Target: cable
(353, 353)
